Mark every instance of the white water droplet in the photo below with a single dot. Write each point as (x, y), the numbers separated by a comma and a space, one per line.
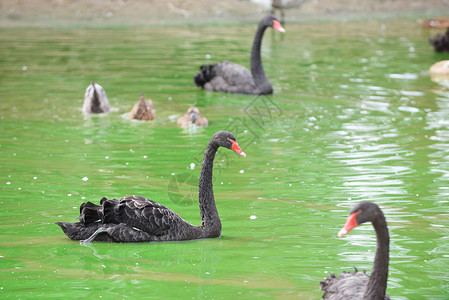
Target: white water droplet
(85, 179)
(253, 217)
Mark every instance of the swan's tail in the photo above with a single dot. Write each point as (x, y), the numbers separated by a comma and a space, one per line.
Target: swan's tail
(440, 42)
(79, 231)
(103, 213)
(92, 217)
(89, 213)
(205, 75)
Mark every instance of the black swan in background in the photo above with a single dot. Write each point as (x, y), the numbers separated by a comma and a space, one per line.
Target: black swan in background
(137, 219)
(357, 285)
(95, 100)
(142, 110)
(440, 42)
(233, 78)
(192, 117)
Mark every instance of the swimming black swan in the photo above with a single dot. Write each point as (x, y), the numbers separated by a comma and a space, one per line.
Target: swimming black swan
(357, 285)
(142, 110)
(137, 219)
(233, 78)
(440, 42)
(192, 117)
(95, 100)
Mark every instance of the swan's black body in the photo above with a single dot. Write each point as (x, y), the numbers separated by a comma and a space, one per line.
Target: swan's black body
(137, 219)
(358, 285)
(229, 77)
(440, 42)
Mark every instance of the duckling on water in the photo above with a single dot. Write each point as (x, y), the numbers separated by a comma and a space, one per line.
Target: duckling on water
(142, 110)
(95, 100)
(192, 117)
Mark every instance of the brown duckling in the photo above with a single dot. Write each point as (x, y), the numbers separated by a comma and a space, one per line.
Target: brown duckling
(192, 117)
(440, 68)
(142, 110)
(440, 22)
(439, 71)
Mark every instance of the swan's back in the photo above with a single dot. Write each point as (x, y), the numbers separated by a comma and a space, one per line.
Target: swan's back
(226, 77)
(349, 285)
(130, 219)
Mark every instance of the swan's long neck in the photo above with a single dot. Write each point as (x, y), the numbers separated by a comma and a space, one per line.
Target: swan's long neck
(377, 283)
(209, 215)
(260, 79)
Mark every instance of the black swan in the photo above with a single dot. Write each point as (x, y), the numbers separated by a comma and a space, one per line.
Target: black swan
(137, 219)
(440, 42)
(192, 117)
(95, 100)
(233, 78)
(358, 285)
(142, 110)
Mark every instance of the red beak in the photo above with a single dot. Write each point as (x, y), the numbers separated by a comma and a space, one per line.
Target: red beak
(351, 223)
(278, 26)
(236, 148)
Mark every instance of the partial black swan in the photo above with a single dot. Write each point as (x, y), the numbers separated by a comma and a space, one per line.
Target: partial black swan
(440, 42)
(192, 117)
(142, 110)
(233, 78)
(95, 100)
(137, 219)
(358, 285)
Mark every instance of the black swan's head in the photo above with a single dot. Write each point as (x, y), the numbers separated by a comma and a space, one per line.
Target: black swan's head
(227, 140)
(272, 21)
(362, 212)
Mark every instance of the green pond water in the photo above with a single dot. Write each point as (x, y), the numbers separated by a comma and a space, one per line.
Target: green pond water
(355, 116)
